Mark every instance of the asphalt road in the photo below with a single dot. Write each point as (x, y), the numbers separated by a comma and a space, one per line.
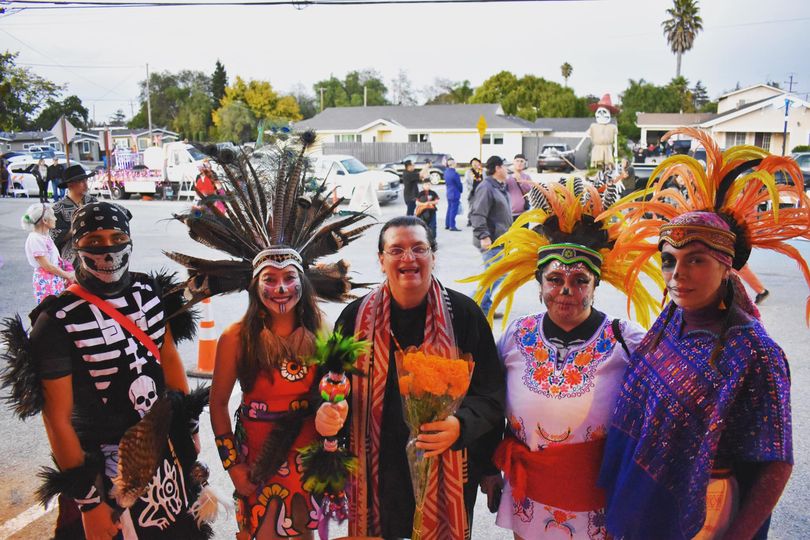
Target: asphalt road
(24, 446)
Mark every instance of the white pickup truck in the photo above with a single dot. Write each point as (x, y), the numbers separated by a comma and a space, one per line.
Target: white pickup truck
(165, 171)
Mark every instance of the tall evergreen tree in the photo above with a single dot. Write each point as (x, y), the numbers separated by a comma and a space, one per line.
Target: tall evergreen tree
(700, 96)
(219, 81)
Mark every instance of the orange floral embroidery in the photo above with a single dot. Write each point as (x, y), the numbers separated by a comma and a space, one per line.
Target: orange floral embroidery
(583, 358)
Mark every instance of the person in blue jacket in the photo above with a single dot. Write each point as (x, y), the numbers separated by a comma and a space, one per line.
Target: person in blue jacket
(454, 188)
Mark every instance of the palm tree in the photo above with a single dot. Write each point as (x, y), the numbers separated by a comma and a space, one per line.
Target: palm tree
(681, 28)
(566, 70)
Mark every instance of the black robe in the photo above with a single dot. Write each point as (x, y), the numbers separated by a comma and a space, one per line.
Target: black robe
(481, 413)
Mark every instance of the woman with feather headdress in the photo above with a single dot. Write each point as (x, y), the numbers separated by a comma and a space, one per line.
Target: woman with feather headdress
(700, 443)
(564, 366)
(276, 232)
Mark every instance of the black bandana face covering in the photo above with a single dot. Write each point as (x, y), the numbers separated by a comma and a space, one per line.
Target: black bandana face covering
(104, 269)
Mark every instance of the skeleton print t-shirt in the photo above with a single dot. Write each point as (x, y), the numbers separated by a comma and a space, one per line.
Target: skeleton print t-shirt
(116, 380)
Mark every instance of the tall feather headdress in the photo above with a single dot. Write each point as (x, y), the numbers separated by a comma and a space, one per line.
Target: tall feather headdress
(566, 229)
(266, 218)
(738, 184)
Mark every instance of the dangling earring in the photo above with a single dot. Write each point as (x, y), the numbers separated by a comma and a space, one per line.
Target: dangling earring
(664, 299)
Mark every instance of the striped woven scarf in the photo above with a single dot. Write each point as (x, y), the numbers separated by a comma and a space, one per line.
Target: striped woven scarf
(444, 513)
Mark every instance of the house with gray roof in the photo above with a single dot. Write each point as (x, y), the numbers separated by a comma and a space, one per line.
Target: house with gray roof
(753, 116)
(450, 129)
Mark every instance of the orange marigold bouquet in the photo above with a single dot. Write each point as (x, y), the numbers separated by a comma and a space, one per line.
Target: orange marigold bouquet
(432, 387)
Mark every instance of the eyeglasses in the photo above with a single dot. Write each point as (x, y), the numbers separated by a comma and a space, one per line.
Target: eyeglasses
(419, 251)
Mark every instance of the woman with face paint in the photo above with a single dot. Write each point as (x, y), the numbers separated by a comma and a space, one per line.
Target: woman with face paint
(113, 393)
(51, 273)
(266, 352)
(700, 443)
(563, 366)
(268, 349)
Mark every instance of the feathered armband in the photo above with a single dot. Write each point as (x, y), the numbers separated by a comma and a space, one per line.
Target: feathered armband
(82, 483)
(19, 376)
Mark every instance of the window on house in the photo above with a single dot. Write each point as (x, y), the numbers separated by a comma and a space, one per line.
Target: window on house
(762, 140)
(143, 143)
(419, 137)
(348, 137)
(734, 139)
(492, 138)
(85, 147)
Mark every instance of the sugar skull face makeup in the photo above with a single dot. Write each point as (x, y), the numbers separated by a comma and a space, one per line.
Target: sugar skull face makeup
(568, 291)
(279, 288)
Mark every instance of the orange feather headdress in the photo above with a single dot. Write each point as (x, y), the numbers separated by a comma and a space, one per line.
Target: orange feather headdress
(567, 229)
(736, 184)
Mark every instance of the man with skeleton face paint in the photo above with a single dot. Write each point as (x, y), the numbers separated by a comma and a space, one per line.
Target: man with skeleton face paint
(111, 385)
(563, 367)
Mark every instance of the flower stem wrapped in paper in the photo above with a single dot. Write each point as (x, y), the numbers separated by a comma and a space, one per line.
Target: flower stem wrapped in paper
(432, 388)
(327, 465)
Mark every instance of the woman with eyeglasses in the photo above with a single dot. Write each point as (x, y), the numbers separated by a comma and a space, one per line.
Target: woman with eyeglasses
(412, 308)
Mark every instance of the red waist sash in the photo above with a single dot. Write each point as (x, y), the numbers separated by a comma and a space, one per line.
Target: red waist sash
(563, 475)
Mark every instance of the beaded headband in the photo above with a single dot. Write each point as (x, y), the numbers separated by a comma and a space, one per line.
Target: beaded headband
(570, 254)
(277, 257)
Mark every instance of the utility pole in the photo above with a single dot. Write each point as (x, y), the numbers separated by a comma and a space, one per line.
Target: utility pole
(148, 105)
(321, 89)
(365, 96)
(790, 83)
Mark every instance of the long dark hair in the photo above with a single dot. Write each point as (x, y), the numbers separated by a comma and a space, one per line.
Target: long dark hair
(254, 353)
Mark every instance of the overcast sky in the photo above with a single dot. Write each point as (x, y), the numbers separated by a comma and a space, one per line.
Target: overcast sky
(100, 54)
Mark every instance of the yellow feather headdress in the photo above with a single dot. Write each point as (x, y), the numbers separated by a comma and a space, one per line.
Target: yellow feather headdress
(735, 184)
(569, 218)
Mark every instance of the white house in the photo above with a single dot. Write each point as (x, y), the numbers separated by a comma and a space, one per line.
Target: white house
(753, 116)
(450, 129)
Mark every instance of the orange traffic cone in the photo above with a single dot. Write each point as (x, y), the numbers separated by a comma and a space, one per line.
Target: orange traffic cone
(207, 344)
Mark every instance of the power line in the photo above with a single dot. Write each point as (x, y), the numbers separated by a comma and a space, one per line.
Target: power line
(106, 90)
(95, 4)
(30, 64)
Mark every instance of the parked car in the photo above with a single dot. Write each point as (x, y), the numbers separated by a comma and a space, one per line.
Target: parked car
(803, 160)
(344, 172)
(438, 164)
(558, 157)
(22, 177)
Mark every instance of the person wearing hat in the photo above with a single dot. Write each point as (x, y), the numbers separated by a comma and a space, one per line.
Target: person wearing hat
(700, 445)
(603, 134)
(75, 180)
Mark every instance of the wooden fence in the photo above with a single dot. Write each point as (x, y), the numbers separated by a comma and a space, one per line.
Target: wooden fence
(376, 153)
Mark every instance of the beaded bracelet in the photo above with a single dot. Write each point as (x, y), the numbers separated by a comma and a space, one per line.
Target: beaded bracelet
(226, 446)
